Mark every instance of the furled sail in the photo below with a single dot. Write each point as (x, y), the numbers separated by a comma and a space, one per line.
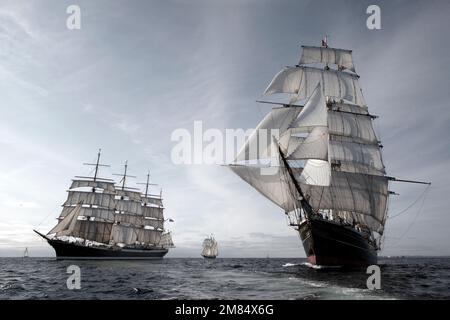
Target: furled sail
(156, 200)
(128, 195)
(340, 57)
(107, 186)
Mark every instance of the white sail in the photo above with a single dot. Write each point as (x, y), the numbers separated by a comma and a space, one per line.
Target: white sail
(166, 240)
(316, 173)
(97, 213)
(359, 127)
(92, 230)
(129, 206)
(364, 195)
(130, 219)
(215, 249)
(340, 57)
(156, 200)
(348, 107)
(210, 248)
(259, 144)
(289, 142)
(301, 82)
(314, 146)
(66, 225)
(65, 211)
(273, 183)
(124, 234)
(105, 200)
(105, 185)
(313, 119)
(128, 195)
(330, 147)
(153, 212)
(314, 114)
(155, 223)
(149, 236)
(356, 157)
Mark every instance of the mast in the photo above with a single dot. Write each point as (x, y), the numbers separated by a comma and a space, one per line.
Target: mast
(124, 176)
(97, 166)
(147, 184)
(304, 203)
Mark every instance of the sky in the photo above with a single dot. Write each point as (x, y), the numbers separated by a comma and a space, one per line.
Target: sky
(138, 70)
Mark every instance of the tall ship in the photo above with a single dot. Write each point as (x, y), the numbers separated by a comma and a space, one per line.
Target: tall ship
(210, 248)
(316, 155)
(104, 220)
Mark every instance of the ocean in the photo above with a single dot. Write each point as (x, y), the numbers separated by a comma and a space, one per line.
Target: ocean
(173, 278)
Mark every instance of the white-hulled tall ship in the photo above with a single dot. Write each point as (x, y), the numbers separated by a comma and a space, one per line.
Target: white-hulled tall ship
(317, 157)
(210, 248)
(102, 220)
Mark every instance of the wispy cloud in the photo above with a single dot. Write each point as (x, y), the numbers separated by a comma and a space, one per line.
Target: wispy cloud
(134, 73)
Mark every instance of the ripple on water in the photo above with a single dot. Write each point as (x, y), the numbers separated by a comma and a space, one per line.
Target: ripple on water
(220, 279)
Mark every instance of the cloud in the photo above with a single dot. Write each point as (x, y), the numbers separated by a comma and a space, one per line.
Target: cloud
(131, 76)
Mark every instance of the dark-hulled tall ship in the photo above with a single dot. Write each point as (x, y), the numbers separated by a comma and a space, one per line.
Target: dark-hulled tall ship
(102, 220)
(316, 155)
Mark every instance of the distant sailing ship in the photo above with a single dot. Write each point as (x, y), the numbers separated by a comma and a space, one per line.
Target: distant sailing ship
(210, 248)
(326, 169)
(101, 220)
(25, 253)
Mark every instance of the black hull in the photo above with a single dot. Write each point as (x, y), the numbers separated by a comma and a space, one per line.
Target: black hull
(72, 251)
(208, 257)
(330, 244)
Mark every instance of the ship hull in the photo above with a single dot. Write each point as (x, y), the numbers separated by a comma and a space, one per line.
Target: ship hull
(72, 251)
(209, 257)
(330, 244)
